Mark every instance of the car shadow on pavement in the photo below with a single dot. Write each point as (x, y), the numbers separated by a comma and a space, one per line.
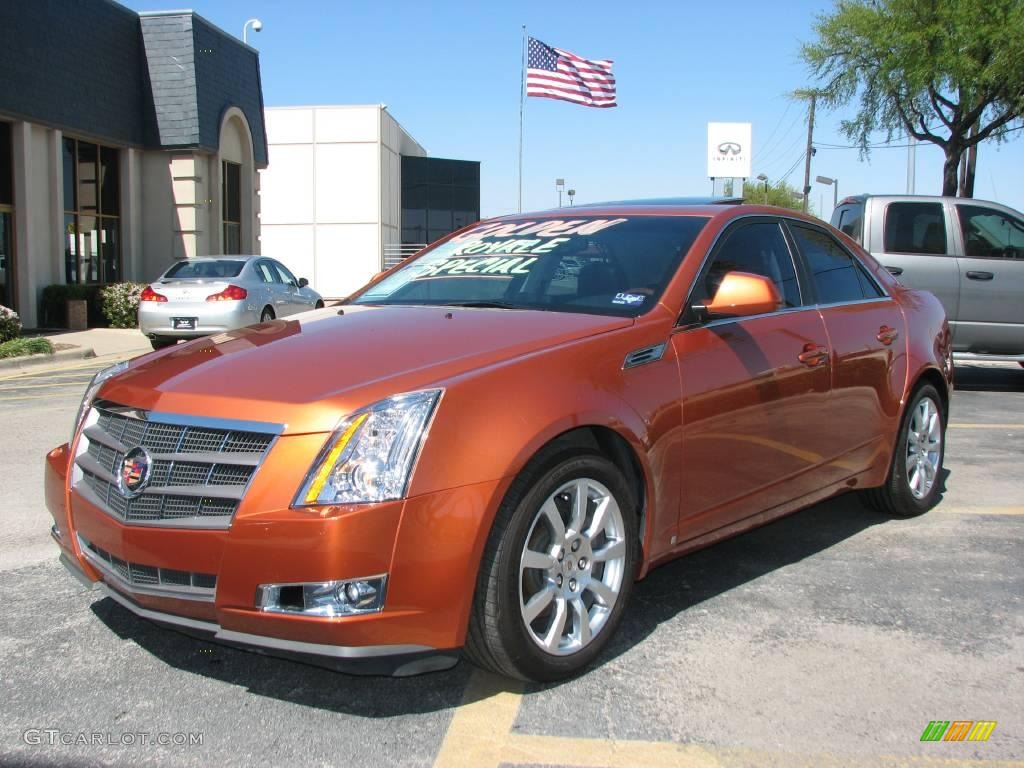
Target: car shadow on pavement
(668, 591)
(977, 378)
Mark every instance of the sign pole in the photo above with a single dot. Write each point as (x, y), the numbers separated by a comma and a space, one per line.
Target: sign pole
(522, 105)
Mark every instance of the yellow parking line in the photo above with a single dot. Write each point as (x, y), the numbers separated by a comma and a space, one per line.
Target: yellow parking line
(6, 387)
(481, 735)
(482, 723)
(965, 425)
(974, 510)
(29, 397)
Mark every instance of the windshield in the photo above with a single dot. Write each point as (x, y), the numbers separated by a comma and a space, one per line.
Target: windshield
(608, 266)
(185, 270)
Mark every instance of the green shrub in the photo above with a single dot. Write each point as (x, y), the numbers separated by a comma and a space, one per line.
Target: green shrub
(53, 305)
(22, 347)
(10, 324)
(121, 304)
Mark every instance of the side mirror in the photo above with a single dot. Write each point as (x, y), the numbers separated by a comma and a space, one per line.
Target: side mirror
(742, 294)
(303, 282)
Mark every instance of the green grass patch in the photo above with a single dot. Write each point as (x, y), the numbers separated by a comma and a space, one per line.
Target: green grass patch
(22, 347)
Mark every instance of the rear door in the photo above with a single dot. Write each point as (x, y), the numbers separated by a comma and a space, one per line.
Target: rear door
(754, 390)
(867, 338)
(918, 248)
(991, 317)
(273, 287)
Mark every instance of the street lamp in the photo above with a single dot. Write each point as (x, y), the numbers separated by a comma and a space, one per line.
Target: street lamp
(256, 24)
(559, 185)
(835, 189)
(762, 177)
(571, 193)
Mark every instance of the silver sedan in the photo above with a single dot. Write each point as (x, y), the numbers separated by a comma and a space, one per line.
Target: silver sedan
(197, 297)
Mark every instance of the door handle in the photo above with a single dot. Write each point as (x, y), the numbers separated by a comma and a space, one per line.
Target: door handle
(813, 356)
(979, 275)
(887, 335)
(895, 270)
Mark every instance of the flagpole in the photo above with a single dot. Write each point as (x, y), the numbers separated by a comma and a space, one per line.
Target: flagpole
(522, 104)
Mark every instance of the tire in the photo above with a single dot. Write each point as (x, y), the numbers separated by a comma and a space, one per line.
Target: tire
(912, 487)
(162, 342)
(318, 305)
(266, 315)
(527, 615)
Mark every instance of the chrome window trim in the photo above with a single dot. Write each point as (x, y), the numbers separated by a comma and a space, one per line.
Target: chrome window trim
(876, 300)
(717, 323)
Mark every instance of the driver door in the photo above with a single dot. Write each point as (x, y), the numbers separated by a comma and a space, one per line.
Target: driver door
(754, 390)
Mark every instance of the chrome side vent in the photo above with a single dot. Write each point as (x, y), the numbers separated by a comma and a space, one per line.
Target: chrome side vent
(644, 355)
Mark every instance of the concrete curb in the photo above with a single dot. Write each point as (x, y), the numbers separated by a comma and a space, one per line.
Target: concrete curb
(31, 361)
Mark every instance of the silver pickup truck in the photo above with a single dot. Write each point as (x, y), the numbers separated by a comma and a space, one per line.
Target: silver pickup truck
(969, 253)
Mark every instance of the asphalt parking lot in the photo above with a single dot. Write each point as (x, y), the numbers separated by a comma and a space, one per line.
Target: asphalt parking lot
(830, 638)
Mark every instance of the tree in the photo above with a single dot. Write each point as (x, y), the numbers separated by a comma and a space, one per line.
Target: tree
(950, 72)
(780, 194)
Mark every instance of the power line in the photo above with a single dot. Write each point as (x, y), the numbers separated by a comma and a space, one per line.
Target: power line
(768, 141)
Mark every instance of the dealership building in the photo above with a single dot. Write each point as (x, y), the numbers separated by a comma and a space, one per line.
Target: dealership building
(130, 140)
(126, 141)
(348, 192)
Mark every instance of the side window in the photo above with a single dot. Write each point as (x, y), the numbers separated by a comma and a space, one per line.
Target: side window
(286, 277)
(837, 275)
(851, 221)
(915, 228)
(991, 234)
(266, 274)
(760, 249)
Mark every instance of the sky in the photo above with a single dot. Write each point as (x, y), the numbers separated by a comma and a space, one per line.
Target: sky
(450, 72)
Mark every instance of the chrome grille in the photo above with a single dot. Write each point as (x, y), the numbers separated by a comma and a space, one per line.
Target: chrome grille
(200, 468)
(150, 579)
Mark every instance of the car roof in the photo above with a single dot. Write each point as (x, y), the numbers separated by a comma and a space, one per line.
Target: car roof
(721, 208)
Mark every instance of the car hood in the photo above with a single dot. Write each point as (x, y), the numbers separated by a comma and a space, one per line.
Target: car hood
(308, 371)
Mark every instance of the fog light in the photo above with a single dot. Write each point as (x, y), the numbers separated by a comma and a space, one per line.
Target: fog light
(324, 598)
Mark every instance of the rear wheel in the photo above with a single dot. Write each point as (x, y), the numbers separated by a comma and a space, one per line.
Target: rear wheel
(557, 571)
(267, 315)
(912, 487)
(162, 342)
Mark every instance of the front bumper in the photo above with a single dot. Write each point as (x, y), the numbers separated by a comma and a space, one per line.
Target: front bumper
(429, 546)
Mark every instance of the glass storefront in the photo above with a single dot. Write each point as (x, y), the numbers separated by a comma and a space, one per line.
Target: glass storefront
(92, 209)
(6, 218)
(231, 191)
(439, 196)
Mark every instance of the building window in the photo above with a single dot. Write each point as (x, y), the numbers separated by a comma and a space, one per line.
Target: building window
(231, 190)
(92, 213)
(439, 196)
(6, 218)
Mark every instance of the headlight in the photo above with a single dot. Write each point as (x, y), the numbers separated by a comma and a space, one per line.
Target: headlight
(92, 389)
(370, 455)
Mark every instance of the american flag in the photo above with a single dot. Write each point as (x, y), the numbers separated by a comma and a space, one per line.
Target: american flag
(556, 74)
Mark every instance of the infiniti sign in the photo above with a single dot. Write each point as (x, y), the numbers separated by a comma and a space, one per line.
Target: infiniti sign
(729, 148)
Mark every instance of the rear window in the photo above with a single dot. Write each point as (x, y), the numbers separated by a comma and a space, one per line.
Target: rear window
(184, 270)
(838, 276)
(915, 228)
(849, 219)
(609, 265)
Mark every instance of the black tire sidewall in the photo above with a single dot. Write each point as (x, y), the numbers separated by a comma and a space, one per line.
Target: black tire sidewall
(907, 505)
(266, 315)
(532, 661)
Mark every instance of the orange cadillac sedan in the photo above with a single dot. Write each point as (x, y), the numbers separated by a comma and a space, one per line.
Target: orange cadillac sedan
(483, 449)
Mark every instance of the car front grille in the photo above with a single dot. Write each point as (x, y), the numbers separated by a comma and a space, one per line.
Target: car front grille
(149, 579)
(198, 469)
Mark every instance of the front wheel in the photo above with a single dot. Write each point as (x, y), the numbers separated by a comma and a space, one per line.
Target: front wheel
(912, 487)
(557, 571)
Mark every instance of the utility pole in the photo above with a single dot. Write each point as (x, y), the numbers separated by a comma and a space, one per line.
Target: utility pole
(911, 163)
(813, 96)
